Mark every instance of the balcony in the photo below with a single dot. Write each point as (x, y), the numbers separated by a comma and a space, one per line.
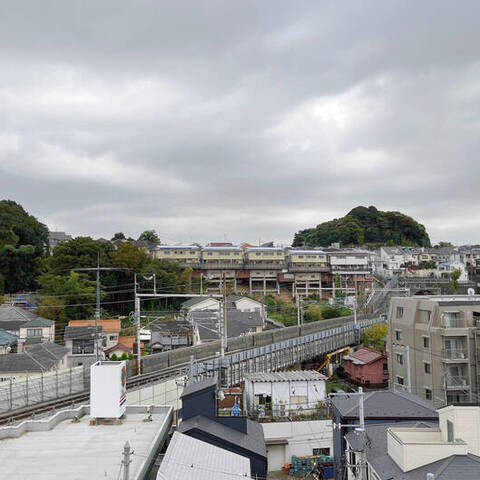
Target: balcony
(457, 383)
(454, 355)
(298, 267)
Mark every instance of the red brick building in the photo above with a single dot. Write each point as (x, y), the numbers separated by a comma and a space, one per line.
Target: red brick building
(367, 368)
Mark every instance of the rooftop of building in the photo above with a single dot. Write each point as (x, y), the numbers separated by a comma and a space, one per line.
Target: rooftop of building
(110, 325)
(40, 357)
(374, 441)
(196, 300)
(81, 332)
(292, 376)
(10, 313)
(364, 356)
(385, 404)
(252, 441)
(7, 338)
(38, 322)
(293, 251)
(178, 247)
(225, 248)
(69, 449)
(190, 459)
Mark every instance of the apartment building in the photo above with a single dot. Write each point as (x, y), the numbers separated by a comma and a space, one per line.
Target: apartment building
(268, 269)
(434, 347)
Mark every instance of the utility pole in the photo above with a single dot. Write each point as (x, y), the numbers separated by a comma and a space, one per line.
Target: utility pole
(223, 319)
(201, 283)
(97, 309)
(299, 309)
(137, 321)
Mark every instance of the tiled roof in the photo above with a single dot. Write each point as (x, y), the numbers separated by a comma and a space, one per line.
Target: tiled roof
(112, 325)
(38, 322)
(364, 356)
(7, 338)
(81, 332)
(40, 357)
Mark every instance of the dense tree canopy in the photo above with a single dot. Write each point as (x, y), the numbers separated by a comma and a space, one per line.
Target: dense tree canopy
(364, 225)
(23, 242)
(149, 236)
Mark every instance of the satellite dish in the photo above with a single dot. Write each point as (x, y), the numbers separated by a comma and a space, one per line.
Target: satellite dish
(471, 291)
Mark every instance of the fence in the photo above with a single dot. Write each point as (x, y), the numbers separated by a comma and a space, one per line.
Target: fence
(23, 389)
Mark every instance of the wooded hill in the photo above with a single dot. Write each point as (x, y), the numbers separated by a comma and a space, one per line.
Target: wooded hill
(362, 226)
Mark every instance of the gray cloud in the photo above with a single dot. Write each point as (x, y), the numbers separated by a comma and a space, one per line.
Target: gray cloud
(240, 120)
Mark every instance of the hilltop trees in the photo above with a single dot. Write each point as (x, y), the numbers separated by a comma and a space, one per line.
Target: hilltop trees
(365, 226)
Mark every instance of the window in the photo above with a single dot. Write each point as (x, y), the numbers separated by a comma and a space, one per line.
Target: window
(321, 451)
(385, 368)
(400, 380)
(427, 367)
(450, 434)
(112, 338)
(399, 312)
(257, 254)
(428, 394)
(426, 342)
(34, 332)
(398, 335)
(399, 358)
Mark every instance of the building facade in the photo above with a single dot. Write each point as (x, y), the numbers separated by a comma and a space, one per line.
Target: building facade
(433, 347)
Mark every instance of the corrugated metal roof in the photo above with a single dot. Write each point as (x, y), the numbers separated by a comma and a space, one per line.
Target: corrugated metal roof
(190, 459)
(294, 376)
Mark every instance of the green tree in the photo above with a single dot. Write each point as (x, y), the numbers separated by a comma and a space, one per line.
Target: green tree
(75, 290)
(313, 313)
(113, 357)
(118, 236)
(149, 236)
(23, 242)
(375, 337)
(124, 356)
(129, 256)
(454, 276)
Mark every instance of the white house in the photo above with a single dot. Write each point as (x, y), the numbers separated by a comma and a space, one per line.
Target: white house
(201, 303)
(392, 259)
(284, 393)
(303, 438)
(445, 269)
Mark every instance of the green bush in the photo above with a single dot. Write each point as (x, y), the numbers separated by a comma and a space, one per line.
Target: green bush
(124, 356)
(114, 357)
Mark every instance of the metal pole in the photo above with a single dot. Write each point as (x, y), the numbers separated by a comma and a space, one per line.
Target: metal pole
(137, 318)
(154, 284)
(361, 410)
(126, 461)
(97, 309)
(225, 332)
(201, 283)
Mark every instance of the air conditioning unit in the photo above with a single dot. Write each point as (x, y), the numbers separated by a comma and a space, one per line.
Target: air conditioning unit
(108, 389)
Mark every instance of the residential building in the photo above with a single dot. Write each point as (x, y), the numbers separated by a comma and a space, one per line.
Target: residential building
(187, 458)
(186, 254)
(83, 344)
(235, 434)
(13, 317)
(66, 446)
(445, 270)
(8, 342)
(200, 303)
(447, 450)
(392, 261)
(367, 368)
(37, 359)
(433, 346)
(170, 335)
(56, 238)
(127, 344)
(301, 438)
(37, 330)
(280, 394)
(379, 407)
(111, 328)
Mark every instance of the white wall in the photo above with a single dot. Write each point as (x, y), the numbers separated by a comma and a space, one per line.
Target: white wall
(302, 438)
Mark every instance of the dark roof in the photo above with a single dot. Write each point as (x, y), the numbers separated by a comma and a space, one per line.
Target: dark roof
(81, 332)
(11, 325)
(385, 404)
(9, 313)
(7, 338)
(193, 301)
(374, 441)
(171, 326)
(40, 357)
(253, 441)
(39, 322)
(199, 386)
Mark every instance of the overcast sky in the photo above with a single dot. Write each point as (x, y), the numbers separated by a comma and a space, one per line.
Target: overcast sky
(240, 120)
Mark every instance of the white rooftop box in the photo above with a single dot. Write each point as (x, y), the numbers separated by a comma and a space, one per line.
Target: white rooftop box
(108, 389)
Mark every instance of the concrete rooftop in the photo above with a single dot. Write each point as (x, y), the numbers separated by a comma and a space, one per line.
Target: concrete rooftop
(76, 450)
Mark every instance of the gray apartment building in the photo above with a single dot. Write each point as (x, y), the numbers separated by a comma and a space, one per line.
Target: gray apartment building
(434, 347)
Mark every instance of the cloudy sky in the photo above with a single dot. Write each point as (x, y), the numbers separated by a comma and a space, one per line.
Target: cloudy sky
(240, 120)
